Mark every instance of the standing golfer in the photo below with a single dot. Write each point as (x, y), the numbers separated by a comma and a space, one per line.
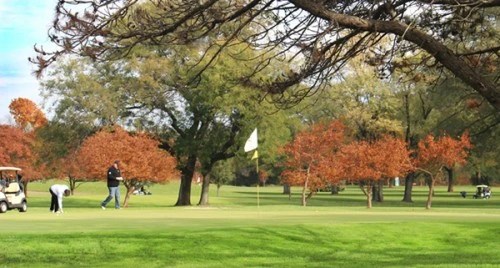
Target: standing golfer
(114, 178)
(57, 191)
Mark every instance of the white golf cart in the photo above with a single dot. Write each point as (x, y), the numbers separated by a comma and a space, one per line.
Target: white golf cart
(11, 190)
(483, 191)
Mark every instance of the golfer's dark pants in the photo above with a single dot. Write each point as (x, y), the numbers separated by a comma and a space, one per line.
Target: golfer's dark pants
(54, 205)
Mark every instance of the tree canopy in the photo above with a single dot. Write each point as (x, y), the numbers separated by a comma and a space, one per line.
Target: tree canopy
(315, 38)
(140, 156)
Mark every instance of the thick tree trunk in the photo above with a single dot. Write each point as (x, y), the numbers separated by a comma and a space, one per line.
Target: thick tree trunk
(205, 187)
(451, 180)
(378, 191)
(184, 198)
(408, 187)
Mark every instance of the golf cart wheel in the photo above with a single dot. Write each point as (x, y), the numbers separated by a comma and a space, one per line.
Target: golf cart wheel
(3, 207)
(24, 207)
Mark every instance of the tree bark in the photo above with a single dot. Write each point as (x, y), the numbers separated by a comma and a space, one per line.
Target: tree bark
(286, 189)
(369, 190)
(335, 189)
(205, 187)
(431, 193)
(451, 180)
(311, 194)
(409, 179)
(130, 190)
(378, 191)
(304, 189)
(72, 184)
(25, 187)
(184, 198)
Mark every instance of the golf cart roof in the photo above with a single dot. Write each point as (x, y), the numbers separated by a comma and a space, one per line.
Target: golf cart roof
(9, 169)
(482, 186)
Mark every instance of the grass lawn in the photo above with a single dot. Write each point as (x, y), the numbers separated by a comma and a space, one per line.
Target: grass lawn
(332, 231)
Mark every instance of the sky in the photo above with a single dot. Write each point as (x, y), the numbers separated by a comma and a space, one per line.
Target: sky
(23, 23)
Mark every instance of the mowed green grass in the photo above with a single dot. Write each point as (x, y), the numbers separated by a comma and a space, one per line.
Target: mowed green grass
(332, 231)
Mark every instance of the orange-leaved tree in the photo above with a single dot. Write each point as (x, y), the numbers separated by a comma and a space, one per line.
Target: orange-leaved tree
(310, 158)
(142, 161)
(436, 153)
(27, 114)
(70, 167)
(371, 162)
(16, 149)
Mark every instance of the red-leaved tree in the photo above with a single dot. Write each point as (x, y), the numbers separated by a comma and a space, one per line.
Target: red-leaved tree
(27, 114)
(436, 153)
(141, 159)
(310, 158)
(371, 162)
(16, 149)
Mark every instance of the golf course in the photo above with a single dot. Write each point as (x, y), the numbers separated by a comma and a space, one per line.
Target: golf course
(332, 231)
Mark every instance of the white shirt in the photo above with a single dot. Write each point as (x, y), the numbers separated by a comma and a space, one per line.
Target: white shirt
(58, 189)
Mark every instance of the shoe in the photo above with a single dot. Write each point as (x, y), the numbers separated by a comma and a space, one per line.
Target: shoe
(118, 208)
(103, 207)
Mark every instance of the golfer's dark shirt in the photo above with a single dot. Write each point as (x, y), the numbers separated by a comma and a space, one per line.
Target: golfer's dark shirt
(113, 173)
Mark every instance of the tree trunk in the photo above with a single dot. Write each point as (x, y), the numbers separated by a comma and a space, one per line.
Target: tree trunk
(430, 183)
(72, 185)
(408, 187)
(335, 189)
(378, 191)
(218, 188)
(286, 189)
(369, 188)
(130, 190)
(187, 172)
(304, 189)
(25, 187)
(304, 200)
(451, 180)
(205, 186)
(431, 193)
(311, 194)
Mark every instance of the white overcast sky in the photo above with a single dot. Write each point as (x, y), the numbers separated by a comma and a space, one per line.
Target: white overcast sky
(23, 23)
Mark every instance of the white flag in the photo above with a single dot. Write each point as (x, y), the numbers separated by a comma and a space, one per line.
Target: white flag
(251, 143)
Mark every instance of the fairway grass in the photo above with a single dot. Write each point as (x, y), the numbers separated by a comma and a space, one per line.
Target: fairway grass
(332, 231)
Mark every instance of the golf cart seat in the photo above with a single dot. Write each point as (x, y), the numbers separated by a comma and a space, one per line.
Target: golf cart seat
(13, 188)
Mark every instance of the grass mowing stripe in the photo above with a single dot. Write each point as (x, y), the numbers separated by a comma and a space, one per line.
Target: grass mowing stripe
(350, 245)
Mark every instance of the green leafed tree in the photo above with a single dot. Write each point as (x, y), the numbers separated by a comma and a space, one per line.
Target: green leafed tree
(316, 38)
(201, 119)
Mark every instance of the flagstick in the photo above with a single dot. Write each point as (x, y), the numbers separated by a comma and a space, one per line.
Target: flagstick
(258, 180)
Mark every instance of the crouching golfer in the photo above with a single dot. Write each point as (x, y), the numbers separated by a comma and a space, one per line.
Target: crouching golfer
(57, 191)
